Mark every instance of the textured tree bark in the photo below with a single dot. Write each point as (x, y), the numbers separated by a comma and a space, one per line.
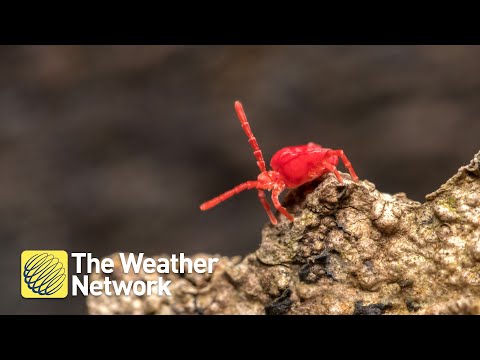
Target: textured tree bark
(350, 250)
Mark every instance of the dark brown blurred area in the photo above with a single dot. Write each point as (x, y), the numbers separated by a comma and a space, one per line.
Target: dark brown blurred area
(113, 148)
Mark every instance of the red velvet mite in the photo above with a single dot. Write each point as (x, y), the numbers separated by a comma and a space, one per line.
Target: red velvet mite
(291, 166)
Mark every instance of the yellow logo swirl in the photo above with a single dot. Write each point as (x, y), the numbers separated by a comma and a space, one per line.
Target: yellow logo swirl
(44, 274)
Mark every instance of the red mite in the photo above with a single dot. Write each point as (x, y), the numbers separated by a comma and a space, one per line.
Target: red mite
(292, 166)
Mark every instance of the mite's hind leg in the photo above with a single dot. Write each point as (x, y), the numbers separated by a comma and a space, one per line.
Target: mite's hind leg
(346, 162)
(333, 169)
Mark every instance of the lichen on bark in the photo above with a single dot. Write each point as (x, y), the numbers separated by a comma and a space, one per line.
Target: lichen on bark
(350, 250)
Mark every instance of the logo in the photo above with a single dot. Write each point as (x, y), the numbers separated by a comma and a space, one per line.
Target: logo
(44, 274)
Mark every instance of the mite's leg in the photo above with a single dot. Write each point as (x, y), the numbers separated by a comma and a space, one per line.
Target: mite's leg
(333, 169)
(263, 200)
(251, 139)
(346, 162)
(276, 202)
(226, 195)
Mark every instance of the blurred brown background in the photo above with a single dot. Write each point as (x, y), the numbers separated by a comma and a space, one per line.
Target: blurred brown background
(113, 148)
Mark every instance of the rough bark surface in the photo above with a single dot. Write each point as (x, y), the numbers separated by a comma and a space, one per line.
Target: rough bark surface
(350, 250)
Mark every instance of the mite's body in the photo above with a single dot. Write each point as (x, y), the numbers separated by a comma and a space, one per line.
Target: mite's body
(301, 164)
(292, 166)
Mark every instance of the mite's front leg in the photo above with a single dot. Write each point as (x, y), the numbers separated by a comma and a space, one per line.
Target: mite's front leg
(263, 200)
(276, 202)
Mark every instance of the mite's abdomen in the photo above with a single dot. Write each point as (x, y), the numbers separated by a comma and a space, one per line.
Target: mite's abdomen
(293, 172)
(299, 164)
